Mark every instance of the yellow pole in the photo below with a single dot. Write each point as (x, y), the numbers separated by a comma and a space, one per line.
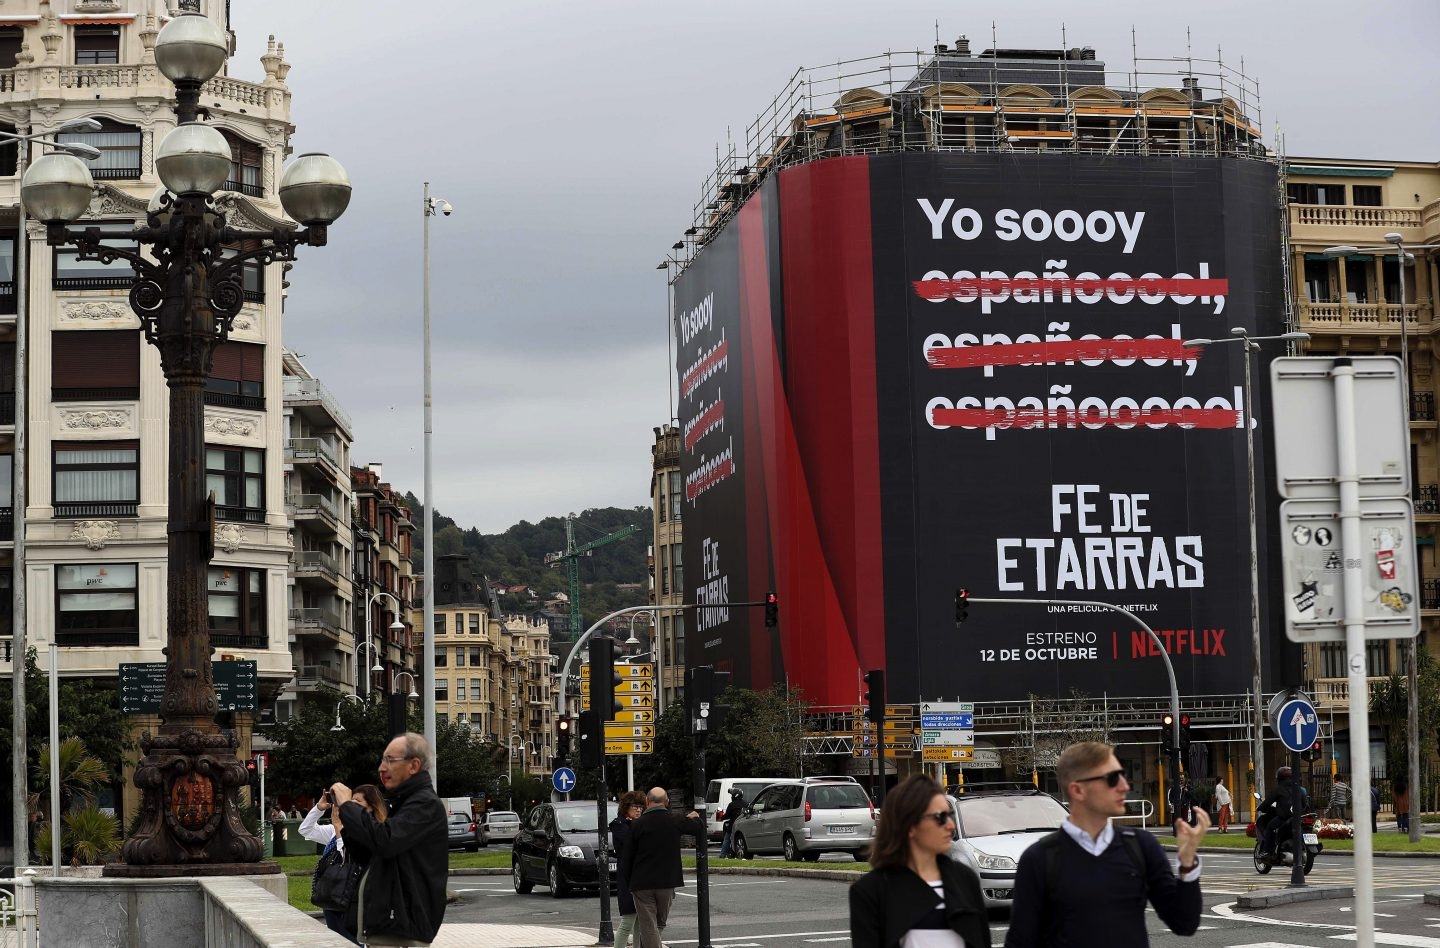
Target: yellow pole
(1161, 769)
(1035, 776)
(960, 780)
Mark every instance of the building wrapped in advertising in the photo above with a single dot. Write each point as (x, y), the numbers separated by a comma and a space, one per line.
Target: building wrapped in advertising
(933, 338)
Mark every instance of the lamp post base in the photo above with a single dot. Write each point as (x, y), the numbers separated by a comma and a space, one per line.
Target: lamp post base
(189, 812)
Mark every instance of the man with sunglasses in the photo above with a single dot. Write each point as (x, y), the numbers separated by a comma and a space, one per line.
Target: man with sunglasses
(1088, 883)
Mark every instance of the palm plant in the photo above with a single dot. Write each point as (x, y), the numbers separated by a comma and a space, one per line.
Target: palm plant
(1390, 706)
(81, 773)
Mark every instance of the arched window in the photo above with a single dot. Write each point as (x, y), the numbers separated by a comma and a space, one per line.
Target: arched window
(119, 146)
(245, 159)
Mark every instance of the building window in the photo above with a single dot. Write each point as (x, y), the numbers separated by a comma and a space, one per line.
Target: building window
(475, 689)
(1317, 281)
(119, 150)
(97, 45)
(675, 495)
(459, 656)
(677, 564)
(95, 604)
(7, 383)
(1365, 195)
(237, 476)
(11, 38)
(439, 622)
(96, 479)
(442, 689)
(7, 263)
(474, 623)
(245, 162)
(237, 607)
(1315, 193)
(252, 273)
(459, 623)
(460, 689)
(95, 366)
(72, 273)
(663, 502)
(237, 376)
(441, 654)
(664, 569)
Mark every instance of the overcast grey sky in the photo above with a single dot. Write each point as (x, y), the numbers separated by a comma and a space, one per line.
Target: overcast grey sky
(572, 138)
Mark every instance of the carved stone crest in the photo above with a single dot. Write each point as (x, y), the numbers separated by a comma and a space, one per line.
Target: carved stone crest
(230, 425)
(83, 310)
(95, 533)
(92, 420)
(229, 536)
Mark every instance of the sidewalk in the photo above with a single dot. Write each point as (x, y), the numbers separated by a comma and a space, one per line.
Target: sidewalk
(510, 936)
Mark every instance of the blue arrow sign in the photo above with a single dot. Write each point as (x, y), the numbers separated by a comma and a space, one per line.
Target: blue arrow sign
(563, 779)
(1297, 724)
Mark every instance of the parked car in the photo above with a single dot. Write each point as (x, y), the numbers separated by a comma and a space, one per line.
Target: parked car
(462, 832)
(498, 827)
(717, 798)
(803, 818)
(555, 847)
(992, 829)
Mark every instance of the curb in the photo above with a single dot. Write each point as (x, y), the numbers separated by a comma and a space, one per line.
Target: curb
(1432, 897)
(1260, 900)
(843, 875)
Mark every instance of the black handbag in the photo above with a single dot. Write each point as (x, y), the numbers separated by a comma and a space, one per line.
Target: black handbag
(335, 880)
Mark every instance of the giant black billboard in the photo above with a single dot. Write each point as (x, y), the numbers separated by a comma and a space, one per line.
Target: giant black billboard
(906, 374)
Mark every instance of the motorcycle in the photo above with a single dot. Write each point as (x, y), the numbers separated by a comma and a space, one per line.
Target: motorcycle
(1265, 861)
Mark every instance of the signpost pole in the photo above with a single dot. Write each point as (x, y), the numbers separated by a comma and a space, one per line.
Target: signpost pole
(1351, 546)
(1297, 845)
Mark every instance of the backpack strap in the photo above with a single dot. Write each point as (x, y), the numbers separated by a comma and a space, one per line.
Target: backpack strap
(1131, 842)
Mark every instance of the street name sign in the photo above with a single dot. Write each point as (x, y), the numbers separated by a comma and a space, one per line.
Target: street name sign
(934, 754)
(948, 738)
(616, 748)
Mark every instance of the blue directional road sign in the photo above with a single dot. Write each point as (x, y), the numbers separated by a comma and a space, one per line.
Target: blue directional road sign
(563, 779)
(1297, 724)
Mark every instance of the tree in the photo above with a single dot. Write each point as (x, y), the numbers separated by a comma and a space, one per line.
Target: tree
(1055, 724)
(88, 708)
(466, 764)
(1390, 705)
(310, 756)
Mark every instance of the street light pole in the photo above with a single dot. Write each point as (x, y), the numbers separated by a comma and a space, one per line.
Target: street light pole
(187, 294)
(397, 625)
(431, 206)
(1250, 344)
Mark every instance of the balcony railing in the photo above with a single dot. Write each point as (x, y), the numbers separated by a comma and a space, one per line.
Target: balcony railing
(1427, 499)
(1335, 692)
(239, 639)
(65, 510)
(232, 400)
(312, 676)
(307, 506)
(1344, 215)
(1331, 314)
(308, 390)
(1422, 406)
(313, 561)
(309, 449)
(323, 621)
(1430, 594)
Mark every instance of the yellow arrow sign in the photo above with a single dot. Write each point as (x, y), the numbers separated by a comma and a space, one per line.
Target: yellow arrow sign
(629, 747)
(636, 671)
(615, 732)
(631, 686)
(947, 753)
(636, 716)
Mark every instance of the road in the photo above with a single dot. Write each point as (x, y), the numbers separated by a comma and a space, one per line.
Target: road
(763, 912)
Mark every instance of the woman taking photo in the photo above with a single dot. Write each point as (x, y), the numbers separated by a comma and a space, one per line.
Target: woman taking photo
(333, 838)
(916, 896)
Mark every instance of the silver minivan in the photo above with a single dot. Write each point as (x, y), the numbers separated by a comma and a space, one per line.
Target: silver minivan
(803, 818)
(717, 798)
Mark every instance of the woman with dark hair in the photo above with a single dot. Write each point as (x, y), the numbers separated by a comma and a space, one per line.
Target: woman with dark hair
(369, 798)
(916, 896)
(629, 808)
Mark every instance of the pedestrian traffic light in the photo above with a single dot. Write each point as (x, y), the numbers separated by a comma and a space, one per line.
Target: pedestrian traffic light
(1167, 735)
(562, 738)
(1315, 752)
(1184, 733)
(252, 773)
(592, 740)
(962, 605)
(875, 697)
(603, 677)
(772, 610)
(704, 712)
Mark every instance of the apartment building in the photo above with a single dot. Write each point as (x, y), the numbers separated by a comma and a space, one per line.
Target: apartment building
(667, 566)
(96, 515)
(384, 586)
(1350, 302)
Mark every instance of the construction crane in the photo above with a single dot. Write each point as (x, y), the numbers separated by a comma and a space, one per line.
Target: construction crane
(571, 557)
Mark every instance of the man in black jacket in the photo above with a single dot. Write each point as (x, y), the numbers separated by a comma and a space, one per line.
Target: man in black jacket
(650, 864)
(1089, 882)
(403, 890)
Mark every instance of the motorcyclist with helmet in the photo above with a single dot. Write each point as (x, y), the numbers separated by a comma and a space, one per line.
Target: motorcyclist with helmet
(1273, 821)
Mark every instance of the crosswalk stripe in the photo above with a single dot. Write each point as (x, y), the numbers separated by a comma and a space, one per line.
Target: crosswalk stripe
(1391, 938)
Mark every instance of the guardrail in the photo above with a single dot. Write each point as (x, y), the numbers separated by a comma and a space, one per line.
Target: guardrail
(1145, 812)
(19, 921)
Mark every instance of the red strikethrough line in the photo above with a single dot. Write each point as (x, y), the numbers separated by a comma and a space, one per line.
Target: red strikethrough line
(1002, 287)
(704, 423)
(1069, 417)
(1036, 353)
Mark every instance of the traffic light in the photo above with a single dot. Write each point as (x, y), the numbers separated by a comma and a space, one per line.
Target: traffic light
(562, 738)
(1315, 752)
(603, 677)
(704, 713)
(252, 773)
(1167, 735)
(962, 605)
(875, 696)
(1184, 733)
(592, 740)
(772, 610)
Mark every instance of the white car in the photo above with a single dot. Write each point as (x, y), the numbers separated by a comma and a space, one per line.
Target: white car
(498, 826)
(993, 828)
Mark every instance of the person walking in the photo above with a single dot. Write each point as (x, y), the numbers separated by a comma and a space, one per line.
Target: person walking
(650, 865)
(1087, 883)
(1374, 809)
(631, 805)
(402, 894)
(732, 813)
(915, 894)
(331, 835)
(1222, 801)
(1401, 801)
(1339, 797)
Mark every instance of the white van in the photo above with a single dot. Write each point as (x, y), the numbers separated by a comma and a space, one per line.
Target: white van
(460, 805)
(717, 798)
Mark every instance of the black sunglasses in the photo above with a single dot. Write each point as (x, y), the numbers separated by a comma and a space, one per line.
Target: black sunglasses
(1112, 779)
(941, 817)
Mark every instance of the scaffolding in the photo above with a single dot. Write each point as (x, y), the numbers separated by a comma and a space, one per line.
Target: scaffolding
(1048, 101)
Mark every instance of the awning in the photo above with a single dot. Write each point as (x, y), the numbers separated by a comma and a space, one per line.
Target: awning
(83, 19)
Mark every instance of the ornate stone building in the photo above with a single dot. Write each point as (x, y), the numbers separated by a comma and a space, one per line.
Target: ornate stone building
(95, 512)
(667, 580)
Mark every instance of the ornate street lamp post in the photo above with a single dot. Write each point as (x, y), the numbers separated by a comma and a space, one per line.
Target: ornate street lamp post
(187, 298)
